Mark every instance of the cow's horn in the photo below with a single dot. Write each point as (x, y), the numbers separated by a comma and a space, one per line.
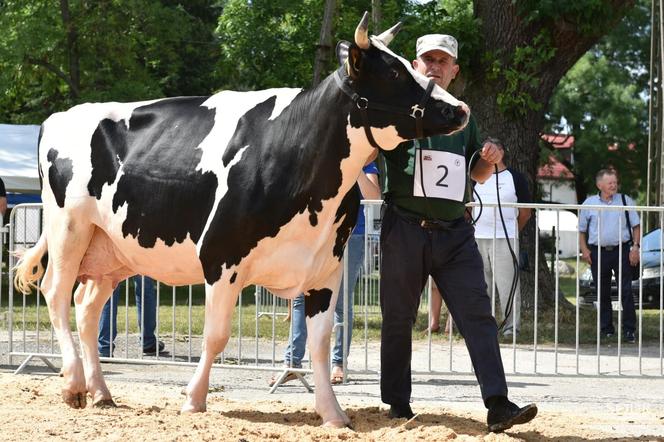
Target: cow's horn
(362, 32)
(387, 36)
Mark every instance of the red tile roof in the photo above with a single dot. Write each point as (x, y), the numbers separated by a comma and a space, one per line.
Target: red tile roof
(559, 141)
(554, 169)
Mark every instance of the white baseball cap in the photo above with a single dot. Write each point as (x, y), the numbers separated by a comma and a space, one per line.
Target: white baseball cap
(441, 42)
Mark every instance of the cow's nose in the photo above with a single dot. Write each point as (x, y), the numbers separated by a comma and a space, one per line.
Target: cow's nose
(449, 112)
(462, 110)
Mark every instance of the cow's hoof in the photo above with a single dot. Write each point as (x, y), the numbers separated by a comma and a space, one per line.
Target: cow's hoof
(74, 400)
(337, 424)
(190, 408)
(104, 403)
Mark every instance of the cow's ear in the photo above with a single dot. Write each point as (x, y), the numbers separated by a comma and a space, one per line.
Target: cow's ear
(354, 61)
(342, 52)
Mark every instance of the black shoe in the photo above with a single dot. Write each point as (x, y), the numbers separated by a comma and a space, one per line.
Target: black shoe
(106, 352)
(400, 411)
(151, 351)
(505, 414)
(629, 337)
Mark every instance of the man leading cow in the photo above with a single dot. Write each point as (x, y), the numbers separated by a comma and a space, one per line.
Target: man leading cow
(234, 189)
(425, 233)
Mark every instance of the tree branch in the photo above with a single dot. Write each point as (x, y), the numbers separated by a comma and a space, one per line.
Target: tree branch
(55, 70)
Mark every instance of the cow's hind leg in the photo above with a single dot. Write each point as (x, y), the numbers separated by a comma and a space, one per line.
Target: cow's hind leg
(90, 299)
(319, 310)
(220, 300)
(68, 240)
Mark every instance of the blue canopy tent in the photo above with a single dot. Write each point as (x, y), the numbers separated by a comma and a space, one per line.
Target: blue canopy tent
(18, 163)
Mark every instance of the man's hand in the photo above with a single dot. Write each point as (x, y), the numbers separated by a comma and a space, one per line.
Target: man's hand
(585, 255)
(634, 256)
(491, 153)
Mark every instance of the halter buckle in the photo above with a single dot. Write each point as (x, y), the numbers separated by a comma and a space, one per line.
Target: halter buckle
(416, 111)
(364, 103)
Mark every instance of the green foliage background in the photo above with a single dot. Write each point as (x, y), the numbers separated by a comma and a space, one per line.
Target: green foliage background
(130, 50)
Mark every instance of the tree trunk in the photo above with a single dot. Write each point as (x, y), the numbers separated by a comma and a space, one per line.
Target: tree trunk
(503, 31)
(376, 16)
(73, 56)
(324, 47)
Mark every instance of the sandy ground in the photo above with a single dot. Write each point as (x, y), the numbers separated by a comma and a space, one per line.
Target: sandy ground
(240, 409)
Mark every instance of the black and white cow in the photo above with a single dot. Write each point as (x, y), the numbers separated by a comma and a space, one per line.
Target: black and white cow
(234, 189)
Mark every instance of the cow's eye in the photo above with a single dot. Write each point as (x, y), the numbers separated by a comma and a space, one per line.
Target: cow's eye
(394, 74)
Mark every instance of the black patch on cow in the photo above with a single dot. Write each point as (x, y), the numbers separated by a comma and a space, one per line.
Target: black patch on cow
(291, 165)
(317, 301)
(166, 197)
(60, 174)
(347, 210)
(108, 148)
(233, 277)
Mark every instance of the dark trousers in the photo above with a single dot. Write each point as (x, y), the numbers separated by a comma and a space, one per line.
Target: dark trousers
(610, 261)
(410, 254)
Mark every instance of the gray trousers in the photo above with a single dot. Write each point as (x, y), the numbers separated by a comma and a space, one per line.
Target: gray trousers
(499, 268)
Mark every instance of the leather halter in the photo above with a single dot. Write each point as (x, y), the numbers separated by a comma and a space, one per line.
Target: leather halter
(416, 111)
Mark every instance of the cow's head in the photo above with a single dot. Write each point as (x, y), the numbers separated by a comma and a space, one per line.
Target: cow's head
(393, 93)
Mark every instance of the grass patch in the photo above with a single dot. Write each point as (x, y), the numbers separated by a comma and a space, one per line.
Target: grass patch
(176, 320)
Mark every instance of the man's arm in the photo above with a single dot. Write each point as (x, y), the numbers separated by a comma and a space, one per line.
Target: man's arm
(636, 246)
(490, 155)
(369, 186)
(372, 156)
(3, 207)
(523, 217)
(583, 246)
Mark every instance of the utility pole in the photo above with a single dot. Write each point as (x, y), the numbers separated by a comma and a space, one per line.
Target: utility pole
(324, 47)
(654, 182)
(376, 16)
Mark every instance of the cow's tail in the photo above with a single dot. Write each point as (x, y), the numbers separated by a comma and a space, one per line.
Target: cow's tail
(29, 267)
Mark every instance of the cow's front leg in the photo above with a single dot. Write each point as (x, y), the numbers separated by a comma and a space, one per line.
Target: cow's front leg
(220, 300)
(319, 309)
(90, 299)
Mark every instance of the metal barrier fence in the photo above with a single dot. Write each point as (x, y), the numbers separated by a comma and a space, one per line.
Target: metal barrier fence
(558, 339)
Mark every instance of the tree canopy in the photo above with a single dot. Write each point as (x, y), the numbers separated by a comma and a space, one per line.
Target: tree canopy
(54, 55)
(602, 102)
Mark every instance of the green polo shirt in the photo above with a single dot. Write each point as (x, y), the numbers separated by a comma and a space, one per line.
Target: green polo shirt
(400, 173)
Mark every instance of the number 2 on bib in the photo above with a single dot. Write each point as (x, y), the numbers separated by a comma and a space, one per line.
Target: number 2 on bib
(443, 175)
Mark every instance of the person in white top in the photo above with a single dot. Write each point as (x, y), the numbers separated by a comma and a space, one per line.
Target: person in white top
(499, 265)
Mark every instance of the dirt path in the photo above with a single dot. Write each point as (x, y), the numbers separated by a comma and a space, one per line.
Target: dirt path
(30, 409)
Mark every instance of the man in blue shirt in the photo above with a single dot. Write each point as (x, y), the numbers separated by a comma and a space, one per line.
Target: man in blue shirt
(605, 236)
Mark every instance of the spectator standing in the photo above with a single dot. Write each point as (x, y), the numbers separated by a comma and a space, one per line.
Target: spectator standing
(145, 305)
(3, 201)
(605, 243)
(512, 188)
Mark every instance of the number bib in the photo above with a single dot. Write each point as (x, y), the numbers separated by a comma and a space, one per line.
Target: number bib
(444, 175)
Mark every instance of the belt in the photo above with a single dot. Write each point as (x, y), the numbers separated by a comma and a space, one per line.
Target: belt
(610, 248)
(425, 223)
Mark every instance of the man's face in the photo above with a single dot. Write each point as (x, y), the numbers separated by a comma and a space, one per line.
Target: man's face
(438, 66)
(608, 185)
